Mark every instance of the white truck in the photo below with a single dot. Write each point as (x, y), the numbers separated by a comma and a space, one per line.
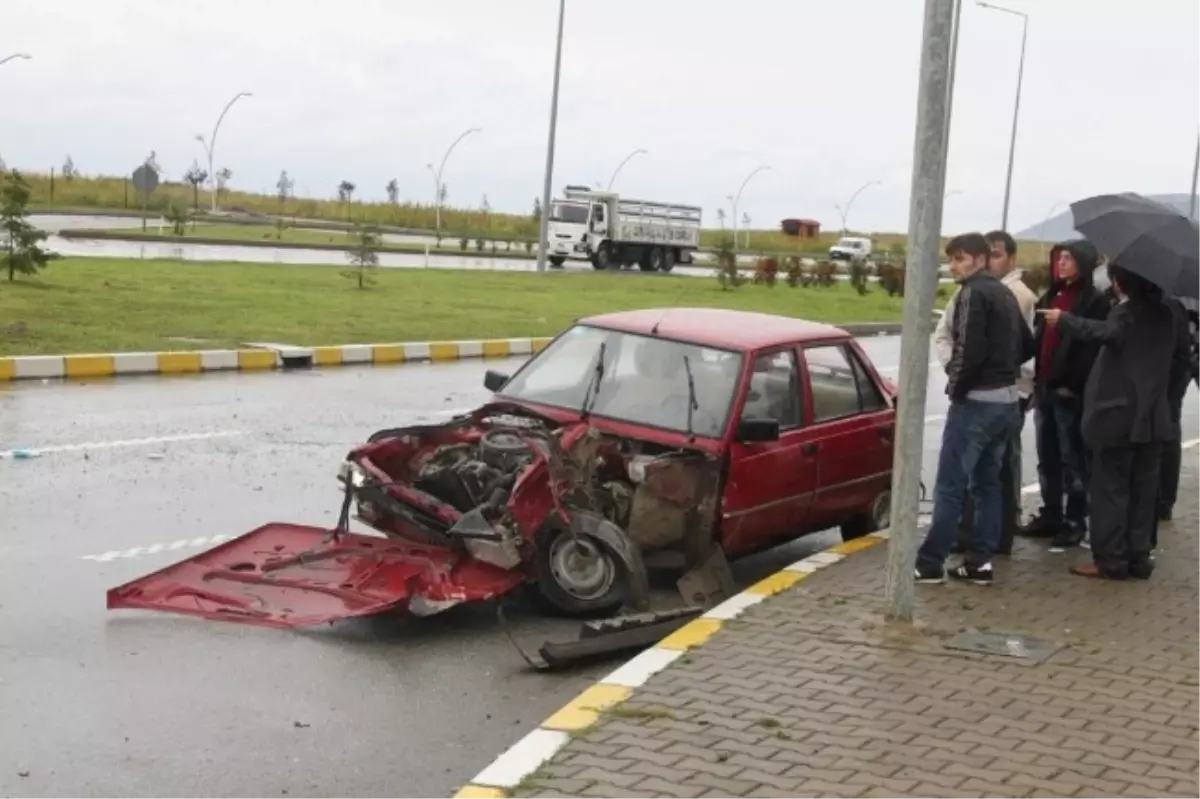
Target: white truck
(850, 247)
(612, 232)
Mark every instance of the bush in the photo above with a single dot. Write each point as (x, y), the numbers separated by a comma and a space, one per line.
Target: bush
(529, 246)
(766, 270)
(794, 270)
(177, 215)
(891, 277)
(727, 269)
(464, 243)
(858, 276)
(480, 244)
(826, 274)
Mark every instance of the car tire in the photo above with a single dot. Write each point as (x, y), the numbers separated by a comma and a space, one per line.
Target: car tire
(603, 257)
(577, 576)
(877, 518)
(669, 259)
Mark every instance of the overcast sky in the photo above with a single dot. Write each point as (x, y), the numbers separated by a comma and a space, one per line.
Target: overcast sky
(824, 92)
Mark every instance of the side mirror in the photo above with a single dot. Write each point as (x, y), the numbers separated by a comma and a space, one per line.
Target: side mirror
(751, 431)
(493, 381)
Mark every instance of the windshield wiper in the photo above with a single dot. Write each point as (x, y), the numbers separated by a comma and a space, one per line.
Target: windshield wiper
(693, 405)
(593, 387)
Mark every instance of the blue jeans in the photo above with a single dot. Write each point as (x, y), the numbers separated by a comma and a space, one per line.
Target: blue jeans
(1062, 457)
(974, 442)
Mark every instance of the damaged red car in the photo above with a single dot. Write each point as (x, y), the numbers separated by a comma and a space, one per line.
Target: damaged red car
(635, 440)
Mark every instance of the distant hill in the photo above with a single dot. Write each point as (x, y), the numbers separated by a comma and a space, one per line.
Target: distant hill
(1062, 226)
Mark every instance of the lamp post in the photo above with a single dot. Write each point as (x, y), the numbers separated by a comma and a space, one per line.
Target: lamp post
(437, 178)
(1012, 144)
(544, 222)
(738, 198)
(22, 56)
(210, 146)
(1195, 175)
(621, 165)
(849, 203)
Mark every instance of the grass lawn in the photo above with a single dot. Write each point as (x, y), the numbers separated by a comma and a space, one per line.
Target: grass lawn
(81, 305)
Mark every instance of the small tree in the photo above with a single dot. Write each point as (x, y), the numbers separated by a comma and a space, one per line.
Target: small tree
(393, 192)
(346, 195)
(3, 167)
(486, 207)
(23, 253)
(364, 257)
(721, 217)
(196, 176)
(727, 266)
(224, 175)
(68, 168)
(537, 209)
(177, 215)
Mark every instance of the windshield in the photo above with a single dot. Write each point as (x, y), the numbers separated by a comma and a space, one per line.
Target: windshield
(644, 379)
(569, 212)
(853, 244)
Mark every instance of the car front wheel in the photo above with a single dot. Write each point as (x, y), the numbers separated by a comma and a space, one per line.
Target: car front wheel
(578, 576)
(879, 517)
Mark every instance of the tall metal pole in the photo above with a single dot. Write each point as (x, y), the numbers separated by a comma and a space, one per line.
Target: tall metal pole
(544, 223)
(849, 203)
(1012, 144)
(437, 177)
(924, 242)
(616, 171)
(22, 56)
(953, 69)
(738, 198)
(211, 145)
(1195, 174)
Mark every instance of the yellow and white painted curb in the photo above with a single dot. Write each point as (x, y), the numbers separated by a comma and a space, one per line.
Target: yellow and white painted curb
(528, 754)
(254, 359)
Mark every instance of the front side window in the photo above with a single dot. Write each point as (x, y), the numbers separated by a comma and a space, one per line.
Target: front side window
(633, 378)
(833, 382)
(774, 390)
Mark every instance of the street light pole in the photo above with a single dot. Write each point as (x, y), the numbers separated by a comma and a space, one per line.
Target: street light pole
(22, 56)
(1195, 174)
(953, 69)
(544, 222)
(1012, 144)
(846, 213)
(921, 280)
(437, 177)
(738, 198)
(210, 146)
(616, 171)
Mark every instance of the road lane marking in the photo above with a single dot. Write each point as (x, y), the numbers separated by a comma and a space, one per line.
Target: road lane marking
(154, 549)
(33, 452)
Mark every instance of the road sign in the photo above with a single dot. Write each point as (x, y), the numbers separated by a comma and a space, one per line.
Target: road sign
(145, 180)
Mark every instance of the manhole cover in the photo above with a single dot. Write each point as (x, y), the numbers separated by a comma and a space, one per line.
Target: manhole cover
(1032, 650)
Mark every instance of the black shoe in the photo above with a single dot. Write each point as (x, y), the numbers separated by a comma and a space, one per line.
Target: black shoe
(1141, 570)
(929, 576)
(1165, 513)
(1039, 527)
(980, 575)
(1069, 537)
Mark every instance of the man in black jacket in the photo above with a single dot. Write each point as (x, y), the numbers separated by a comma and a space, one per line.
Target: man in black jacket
(1186, 324)
(1060, 373)
(1127, 419)
(990, 342)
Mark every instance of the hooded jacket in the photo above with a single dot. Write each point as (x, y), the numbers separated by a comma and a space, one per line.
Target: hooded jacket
(1073, 358)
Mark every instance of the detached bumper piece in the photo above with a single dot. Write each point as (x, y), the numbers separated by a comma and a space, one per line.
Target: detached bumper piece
(610, 637)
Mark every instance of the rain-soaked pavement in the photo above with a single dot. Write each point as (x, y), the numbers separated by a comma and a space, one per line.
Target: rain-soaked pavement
(140, 472)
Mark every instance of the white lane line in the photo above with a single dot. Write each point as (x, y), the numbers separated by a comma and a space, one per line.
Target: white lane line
(33, 452)
(154, 549)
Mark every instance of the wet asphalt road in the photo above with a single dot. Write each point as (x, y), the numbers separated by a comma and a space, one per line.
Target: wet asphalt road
(141, 704)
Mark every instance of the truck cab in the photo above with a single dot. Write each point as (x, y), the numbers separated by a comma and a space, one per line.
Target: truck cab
(568, 226)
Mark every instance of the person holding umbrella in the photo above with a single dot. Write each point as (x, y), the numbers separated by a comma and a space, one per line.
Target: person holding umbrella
(1144, 351)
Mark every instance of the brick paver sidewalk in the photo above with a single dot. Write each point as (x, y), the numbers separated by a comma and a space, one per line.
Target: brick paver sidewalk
(810, 694)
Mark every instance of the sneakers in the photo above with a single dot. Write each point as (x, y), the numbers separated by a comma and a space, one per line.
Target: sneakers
(1071, 535)
(926, 576)
(1039, 527)
(980, 575)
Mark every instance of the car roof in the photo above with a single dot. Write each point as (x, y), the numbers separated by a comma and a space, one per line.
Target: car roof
(717, 327)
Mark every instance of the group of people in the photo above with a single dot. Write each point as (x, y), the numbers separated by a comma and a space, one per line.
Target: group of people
(1105, 371)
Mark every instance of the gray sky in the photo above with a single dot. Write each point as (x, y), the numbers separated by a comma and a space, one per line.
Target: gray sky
(824, 92)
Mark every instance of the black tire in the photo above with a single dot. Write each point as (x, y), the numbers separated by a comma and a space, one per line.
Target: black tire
(598, 591)
(557, 261)
(654, 261)
(603, 257)
(669, 259)
(877, 518)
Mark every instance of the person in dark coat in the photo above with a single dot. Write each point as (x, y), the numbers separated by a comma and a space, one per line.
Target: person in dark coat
(1186, 325)
(1060, 373)
(1126, 419)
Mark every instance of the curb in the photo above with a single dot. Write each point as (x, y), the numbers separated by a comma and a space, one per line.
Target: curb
(272, 357)
(27, 367)
(527, 755)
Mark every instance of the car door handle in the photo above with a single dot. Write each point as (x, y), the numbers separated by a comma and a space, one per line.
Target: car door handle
(808, 449)
(885, 432)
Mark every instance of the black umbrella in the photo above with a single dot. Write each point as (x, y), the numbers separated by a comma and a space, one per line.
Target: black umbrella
(1145, 237)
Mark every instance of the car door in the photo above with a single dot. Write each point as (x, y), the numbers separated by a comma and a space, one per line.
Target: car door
(854, 426)
(769, 485)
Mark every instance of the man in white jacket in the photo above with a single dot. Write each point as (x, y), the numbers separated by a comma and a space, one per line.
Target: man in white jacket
(1002, 264)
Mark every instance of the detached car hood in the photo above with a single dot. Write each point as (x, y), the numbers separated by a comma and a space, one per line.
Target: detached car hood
(287, 575)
